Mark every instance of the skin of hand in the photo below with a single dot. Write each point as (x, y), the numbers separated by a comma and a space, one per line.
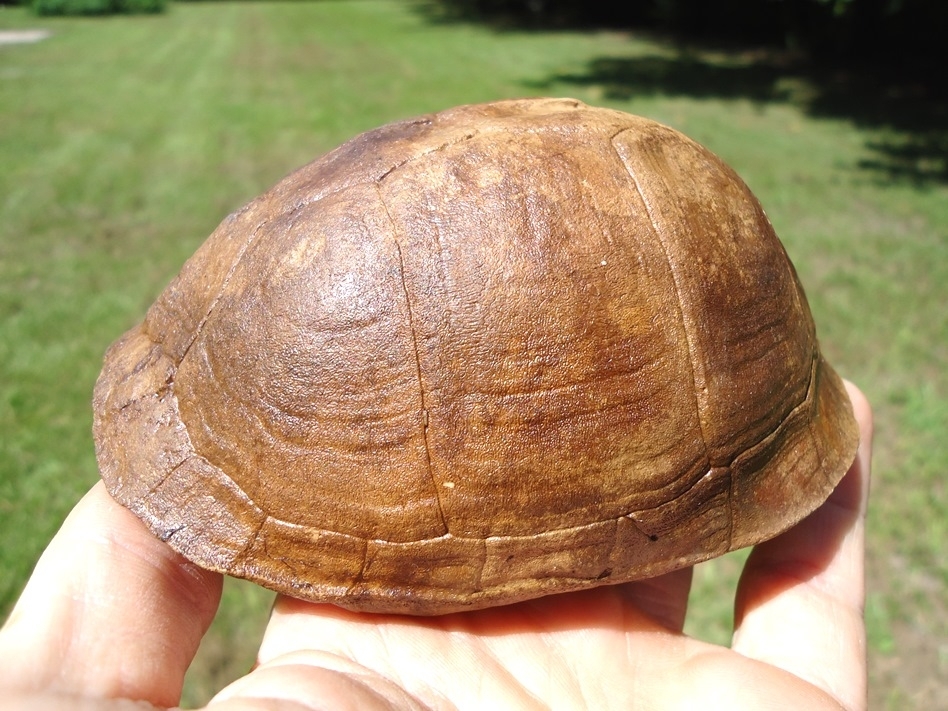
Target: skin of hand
(112, 617)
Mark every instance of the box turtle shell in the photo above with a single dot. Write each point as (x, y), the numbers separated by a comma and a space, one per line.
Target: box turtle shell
(473, 358)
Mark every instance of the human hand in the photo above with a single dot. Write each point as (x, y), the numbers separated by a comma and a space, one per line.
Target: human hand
(111, 614)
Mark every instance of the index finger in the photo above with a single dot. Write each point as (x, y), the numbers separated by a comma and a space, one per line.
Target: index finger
(800, 600)
(110, 611)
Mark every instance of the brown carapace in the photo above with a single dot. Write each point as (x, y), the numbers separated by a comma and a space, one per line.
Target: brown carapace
(473, 358)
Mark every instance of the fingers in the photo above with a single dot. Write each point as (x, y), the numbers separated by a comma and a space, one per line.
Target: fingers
(110, 611)
(800, 600)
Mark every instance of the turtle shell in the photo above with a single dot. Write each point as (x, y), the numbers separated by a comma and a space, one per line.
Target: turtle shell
(477, 357)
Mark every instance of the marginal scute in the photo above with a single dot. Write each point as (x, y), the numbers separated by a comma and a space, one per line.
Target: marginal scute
(498, 352)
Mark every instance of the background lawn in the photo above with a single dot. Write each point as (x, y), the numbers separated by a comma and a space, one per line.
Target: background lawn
(124, 141)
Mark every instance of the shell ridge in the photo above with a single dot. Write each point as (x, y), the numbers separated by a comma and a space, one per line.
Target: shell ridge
(807, 400)
(576, 385)
(658, 232)
(684, 492)
(414, 343)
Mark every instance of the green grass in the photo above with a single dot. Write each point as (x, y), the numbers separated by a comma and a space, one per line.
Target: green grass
(123, 141)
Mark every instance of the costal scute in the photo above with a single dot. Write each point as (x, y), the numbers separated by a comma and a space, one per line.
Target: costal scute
(477, 357)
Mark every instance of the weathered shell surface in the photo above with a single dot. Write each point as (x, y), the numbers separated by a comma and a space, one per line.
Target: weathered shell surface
(477, 357)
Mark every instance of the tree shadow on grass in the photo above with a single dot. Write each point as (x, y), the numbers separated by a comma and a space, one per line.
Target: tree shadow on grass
(909, 116)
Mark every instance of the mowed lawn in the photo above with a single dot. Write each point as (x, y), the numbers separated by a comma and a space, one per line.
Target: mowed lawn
(124, 141)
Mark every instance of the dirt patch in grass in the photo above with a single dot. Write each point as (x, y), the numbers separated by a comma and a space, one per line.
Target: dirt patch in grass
(916, 677)
(22, 36)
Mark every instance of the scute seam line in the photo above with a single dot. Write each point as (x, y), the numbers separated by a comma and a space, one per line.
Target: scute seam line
(414, 342)
(689, 337)
(230, 273)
